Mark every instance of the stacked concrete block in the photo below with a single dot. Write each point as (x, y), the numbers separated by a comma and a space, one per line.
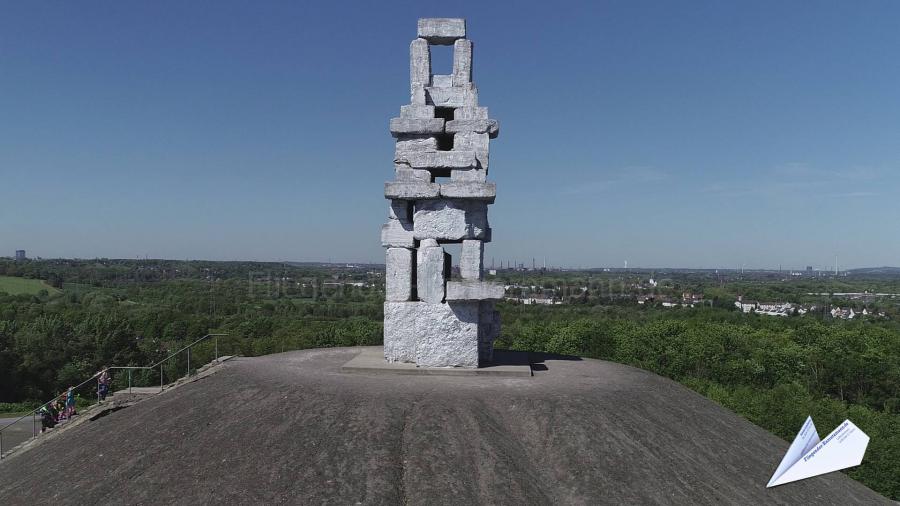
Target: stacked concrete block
(467, 289)
(447, 334)
(419, 66)
(398, 278)
(471, 259)
(398, 231)
(462, 62)
(400, 324)
(441, 31)
(440, 195)
(433, 159)
(431, 275)
(450, 220)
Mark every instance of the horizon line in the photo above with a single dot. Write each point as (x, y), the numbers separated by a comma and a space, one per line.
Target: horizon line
(552, 267)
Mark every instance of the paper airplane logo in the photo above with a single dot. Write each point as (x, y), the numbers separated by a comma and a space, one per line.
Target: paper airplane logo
(809, 456)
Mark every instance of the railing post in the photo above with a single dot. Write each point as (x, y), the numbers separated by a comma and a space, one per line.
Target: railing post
(1, 445)
(129, 381)
(160, 377)
(217, 348)
(33, 424)
(189, 363)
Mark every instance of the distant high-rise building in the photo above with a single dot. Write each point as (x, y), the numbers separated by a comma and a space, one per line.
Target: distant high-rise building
(20, 255)
(809, 268)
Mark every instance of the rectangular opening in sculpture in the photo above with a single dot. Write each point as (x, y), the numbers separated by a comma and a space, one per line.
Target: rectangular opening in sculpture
(441, 60)
(444, 141)
(444, 112)
(454, 249)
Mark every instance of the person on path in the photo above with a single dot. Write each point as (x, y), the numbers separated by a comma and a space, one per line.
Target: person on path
(47, 421)
(103, 384)
(55, 408)
(70, 402)
(60, 405)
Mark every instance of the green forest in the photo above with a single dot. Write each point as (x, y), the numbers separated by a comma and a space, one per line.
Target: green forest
(774, 371)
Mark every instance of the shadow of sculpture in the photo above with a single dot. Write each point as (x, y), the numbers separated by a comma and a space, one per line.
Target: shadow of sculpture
(537, 360)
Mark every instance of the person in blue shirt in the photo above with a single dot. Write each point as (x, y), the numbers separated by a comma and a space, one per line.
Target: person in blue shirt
(70, 402)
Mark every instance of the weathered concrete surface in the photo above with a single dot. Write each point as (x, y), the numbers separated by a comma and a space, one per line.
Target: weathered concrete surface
(456, 96)
(397, 232)
(417, 111)
(401, 210)
(436, 159)
(398, 277)
(462, 62)
(469, 113)
(419, 64)
(404, 173)
(400, 331)
(292, 429)
(450, 219)
(477, 175)
(396, 235)
(478, 126)
(416, 126)
(469, 190)
(418, 96)
(441, 81)
(471, 258)
(447, 335)
(18, 431)
(411, 190)
(442, 31)
(466, 289)
(372, 360)
(430, 274)
(479, 143)
(413, 143)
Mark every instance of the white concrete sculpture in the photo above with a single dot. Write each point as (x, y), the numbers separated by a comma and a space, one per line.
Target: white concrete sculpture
(439, 196)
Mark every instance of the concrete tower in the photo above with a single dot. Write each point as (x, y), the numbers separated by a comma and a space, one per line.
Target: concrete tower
(439, 195)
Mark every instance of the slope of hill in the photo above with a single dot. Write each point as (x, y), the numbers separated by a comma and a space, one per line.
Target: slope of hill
(292, 428)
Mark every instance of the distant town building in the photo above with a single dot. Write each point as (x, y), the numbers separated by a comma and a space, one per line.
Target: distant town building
(765, 308)
(809, 268)
(20, 255)
(746, 306)
(691, 298)
(550, 301)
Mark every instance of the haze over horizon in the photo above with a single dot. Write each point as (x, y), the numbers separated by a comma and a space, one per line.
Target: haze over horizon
(699, 136)
(526, 262)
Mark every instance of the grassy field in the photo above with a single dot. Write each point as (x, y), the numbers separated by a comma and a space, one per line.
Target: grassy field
(15, 286)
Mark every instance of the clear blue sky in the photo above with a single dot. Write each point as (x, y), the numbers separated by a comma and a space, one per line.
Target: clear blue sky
(692, 134)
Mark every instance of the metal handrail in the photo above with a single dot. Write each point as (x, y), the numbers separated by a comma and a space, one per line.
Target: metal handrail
(191, 346)
(33, 413)
(161, 362)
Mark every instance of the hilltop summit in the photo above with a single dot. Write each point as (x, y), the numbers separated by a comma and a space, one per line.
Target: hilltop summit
(292, 428)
